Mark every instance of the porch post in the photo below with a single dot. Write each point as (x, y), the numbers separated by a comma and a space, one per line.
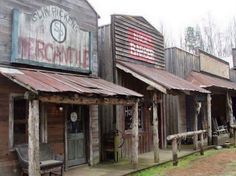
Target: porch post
(209, 122)
(33, 138)
(197, 107)
(229, 109)
(94, 137)
(155, 129)
(135, 137)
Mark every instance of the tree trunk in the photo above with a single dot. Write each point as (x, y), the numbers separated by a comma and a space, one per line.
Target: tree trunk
(174, 152)
(197, 107)
(229, 109)
(155, 129)
(209, 121)
(135, 137)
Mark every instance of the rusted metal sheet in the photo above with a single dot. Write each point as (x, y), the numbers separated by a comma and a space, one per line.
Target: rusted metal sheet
(207, 81)
(55, 82)
(135, 39)
(161, 77)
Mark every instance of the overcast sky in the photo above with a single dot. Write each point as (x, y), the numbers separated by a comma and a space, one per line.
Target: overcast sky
(174, 14)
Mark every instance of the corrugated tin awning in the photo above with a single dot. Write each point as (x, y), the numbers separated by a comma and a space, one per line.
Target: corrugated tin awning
(55, 82)
(158, 78)
(208, 81)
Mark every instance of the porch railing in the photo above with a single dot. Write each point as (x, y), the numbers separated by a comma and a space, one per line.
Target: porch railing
(175, 137)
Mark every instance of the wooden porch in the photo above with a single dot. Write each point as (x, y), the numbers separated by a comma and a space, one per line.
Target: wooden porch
(124, 167)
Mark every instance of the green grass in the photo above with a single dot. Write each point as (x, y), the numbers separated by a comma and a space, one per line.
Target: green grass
(183, 163)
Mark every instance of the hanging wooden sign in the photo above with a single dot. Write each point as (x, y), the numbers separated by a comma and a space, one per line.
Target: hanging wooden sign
(50, 37)
(136, 40)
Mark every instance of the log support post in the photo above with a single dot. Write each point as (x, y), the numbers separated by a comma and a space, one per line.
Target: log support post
(94, 138)
(33, 138)
(174, 152)
(201, 144)
(234, 137)
(197, 107)
(135, 137)
(229, 109)
(155, 129)
(209, 122)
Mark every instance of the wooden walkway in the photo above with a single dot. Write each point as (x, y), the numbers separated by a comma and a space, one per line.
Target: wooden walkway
(124, 167)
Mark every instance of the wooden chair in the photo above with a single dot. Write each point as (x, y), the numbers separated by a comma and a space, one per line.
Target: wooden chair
(219, 129)
(49, 163)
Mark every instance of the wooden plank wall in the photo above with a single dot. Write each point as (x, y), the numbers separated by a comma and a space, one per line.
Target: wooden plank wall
(87, 19)
(180, 63)
(85, 15)
(106, 71)
(122, 27)
(8, 159)
(232, 75)
(145, 134)
(56, 127)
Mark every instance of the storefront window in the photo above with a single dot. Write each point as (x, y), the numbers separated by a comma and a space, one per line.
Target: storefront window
(128, 117)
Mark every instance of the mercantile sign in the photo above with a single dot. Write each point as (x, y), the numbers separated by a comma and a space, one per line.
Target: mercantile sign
(50, 37)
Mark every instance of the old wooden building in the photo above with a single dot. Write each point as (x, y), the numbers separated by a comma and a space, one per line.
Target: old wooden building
(208, 72)
(49, 91)
(233, 78)
(131, 53)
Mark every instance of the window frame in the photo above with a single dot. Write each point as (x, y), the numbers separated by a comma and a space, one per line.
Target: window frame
(141, 107)
(12, 97)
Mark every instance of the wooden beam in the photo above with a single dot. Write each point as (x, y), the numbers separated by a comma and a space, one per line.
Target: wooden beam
(185, 134)
(76, 99)
(33, 130)
(234, 137)
(201, 144)
(155, 129)
(209, 121)
(174, 152)
(135, 136)
(197, 107)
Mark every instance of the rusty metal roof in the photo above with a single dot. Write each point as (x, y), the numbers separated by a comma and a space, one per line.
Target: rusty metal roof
(158, 78)
(206, 81)
(56, 82)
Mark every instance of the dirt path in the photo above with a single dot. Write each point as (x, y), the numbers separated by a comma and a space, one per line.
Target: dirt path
(220, 164)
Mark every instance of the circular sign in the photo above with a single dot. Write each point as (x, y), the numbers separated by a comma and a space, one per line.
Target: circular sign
(58, 31)
(73, 116)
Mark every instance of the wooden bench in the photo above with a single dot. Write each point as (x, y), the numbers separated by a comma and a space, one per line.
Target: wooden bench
(49, 163)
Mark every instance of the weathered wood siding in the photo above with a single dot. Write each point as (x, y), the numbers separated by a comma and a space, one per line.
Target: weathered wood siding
(145, 134)
(136, 40)
(106, 71)
(180, 63)
(131, 39)
(8, 160)
(232, 75)
(85, 15)
(55, 128)
(87, 20)
(213, 65)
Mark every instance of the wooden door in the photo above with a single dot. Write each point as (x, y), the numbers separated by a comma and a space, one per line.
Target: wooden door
(76, 137)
